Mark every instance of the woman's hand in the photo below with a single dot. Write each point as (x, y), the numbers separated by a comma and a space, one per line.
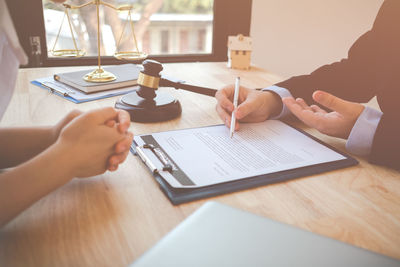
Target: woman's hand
(121, 121)
(63, 122)
(337, 123)
(90, 143)
(121, 150)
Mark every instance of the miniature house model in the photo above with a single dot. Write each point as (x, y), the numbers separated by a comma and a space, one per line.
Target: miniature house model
(239, 52)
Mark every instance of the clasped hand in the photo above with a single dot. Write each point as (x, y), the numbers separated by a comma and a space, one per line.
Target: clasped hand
(257, 106)
(96, 141)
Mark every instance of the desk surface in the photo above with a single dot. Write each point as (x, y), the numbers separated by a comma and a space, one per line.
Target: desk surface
(111, 219)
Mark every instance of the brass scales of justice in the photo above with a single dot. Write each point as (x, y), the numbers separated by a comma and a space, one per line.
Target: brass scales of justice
(99, 75)
(144, 104)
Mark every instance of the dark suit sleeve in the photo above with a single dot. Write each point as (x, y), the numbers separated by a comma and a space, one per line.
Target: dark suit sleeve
(352, 78)
(371, 69)
(386, 144)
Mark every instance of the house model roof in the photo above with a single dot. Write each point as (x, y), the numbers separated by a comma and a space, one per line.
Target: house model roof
(240, 42)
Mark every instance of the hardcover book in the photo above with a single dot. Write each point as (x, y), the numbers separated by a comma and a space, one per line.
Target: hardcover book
(126, 74)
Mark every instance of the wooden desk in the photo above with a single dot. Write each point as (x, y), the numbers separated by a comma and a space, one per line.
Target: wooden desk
(111, 219)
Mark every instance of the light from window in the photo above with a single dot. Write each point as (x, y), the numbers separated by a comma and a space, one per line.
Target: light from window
(161, 27)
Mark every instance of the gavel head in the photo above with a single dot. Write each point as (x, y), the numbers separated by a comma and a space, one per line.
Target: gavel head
(149, 79)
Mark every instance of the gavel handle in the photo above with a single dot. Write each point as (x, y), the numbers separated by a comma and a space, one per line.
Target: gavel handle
(195, 89)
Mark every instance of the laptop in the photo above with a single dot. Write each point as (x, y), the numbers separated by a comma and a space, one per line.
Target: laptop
(219, 235)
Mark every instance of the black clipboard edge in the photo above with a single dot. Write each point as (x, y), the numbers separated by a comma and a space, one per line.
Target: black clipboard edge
(183, 195)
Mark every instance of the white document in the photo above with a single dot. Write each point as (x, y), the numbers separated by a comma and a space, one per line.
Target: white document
(209, 156)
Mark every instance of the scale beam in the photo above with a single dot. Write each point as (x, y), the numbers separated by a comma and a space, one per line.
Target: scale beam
(99, 75)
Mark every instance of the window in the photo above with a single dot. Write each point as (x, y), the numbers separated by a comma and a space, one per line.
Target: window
(184, 41)
(148, 16)
(201, 40)
(164, 41)
(168, 30)
(146, 42)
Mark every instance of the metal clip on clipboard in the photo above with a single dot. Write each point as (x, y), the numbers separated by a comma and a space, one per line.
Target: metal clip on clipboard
(160, 156)
(54, 90)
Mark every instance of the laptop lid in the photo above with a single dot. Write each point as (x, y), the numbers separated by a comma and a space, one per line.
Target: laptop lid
(219, 235)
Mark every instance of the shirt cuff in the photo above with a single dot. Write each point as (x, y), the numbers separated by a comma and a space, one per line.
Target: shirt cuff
(282, 92)
(362, 135)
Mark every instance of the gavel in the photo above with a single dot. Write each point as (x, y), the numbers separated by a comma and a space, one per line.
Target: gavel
(147, 105)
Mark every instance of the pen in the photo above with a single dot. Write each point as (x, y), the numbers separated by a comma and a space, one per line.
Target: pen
(235, 103)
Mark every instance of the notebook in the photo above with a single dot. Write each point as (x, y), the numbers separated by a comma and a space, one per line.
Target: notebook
(126, 74)
(217, 235)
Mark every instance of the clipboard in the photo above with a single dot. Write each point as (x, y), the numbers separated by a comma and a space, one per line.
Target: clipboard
(162, 162)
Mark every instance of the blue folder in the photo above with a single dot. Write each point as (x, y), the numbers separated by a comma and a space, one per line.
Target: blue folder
(76, 96)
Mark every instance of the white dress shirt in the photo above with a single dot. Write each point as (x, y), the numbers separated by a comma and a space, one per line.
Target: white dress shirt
(361, 136)
(11, 56)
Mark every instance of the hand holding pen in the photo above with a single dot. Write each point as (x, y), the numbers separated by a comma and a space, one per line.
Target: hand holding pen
(235, 104)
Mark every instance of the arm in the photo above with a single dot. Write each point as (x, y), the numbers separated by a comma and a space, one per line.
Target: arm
(355, 78)
(27, 183)
(362, 134)
(370, 66)
(371, 69)
(83, 148)
(386, 145)
(18, 145)
(369, 132)
(352, 78)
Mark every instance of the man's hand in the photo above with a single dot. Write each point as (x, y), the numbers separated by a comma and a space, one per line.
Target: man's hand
(337, 123)
(254, 106)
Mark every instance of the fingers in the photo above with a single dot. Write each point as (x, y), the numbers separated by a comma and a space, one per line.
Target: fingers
(110, 123)
(317, 109)
(225, 116)
(101, 116)
(225, 106)
(224, 98)
(124, 121)
(313, 108)
(124, 144)
(226, 91)
(121, 152)
(112, 168)
(303, 103)
(249, 105)
(115, 160)
(304, 113)
(332, 102)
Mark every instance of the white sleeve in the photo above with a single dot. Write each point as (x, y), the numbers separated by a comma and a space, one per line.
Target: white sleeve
(363, 132)
(282, 92)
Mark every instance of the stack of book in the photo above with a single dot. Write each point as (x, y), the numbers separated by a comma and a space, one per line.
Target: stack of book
(73, 87)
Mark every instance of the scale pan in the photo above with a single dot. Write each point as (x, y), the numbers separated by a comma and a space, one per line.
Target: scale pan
(68, 53)
(130, 56)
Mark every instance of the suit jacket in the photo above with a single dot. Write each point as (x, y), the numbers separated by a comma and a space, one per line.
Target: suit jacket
(372, 68)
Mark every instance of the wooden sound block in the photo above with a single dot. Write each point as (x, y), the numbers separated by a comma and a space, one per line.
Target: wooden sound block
(162, 108)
